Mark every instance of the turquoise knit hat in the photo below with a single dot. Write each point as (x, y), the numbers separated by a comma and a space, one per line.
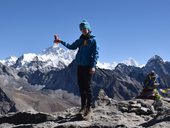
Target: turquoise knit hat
(85, 25)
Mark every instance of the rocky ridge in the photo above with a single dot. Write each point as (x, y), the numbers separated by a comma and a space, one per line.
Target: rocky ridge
(108, 113)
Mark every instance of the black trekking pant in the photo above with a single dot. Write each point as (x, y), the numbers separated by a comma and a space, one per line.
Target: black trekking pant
(84, 81)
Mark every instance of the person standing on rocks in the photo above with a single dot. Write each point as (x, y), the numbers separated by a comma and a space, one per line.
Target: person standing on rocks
(86, 59)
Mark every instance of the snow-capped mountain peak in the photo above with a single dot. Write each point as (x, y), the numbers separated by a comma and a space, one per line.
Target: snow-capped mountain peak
(56, 54)
(56, 57)
(53, 50)
(110, 66)
(155, 57)
(53, 56)
(9, 60)
(27, 57)
(130, 62)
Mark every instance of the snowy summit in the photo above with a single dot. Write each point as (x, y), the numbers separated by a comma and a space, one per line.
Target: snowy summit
(57, 57)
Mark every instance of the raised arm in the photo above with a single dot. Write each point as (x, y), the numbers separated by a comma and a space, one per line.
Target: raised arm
(72, 46)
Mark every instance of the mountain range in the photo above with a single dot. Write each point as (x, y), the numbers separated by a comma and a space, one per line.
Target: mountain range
(55, 56)
(51, 75)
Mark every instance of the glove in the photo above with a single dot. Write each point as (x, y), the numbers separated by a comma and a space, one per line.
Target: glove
(56, 39)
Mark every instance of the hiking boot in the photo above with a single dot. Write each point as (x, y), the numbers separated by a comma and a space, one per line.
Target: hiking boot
(82, 110)
(88, 111)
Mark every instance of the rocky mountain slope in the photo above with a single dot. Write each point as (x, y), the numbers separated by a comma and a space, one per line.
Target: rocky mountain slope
(32, 74)
(34, 83)
(108, 113)
(6, 105)
(16, 94)
(124, 82)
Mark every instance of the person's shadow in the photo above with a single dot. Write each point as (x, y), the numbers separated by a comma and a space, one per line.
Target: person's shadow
(28, 118)
(70, 118)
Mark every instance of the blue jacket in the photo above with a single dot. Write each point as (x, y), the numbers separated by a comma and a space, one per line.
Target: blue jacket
(87, 54)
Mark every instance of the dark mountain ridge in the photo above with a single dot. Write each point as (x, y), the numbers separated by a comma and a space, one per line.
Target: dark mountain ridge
(124, 82)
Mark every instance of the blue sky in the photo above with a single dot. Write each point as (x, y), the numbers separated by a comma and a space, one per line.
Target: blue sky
(123, 28)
